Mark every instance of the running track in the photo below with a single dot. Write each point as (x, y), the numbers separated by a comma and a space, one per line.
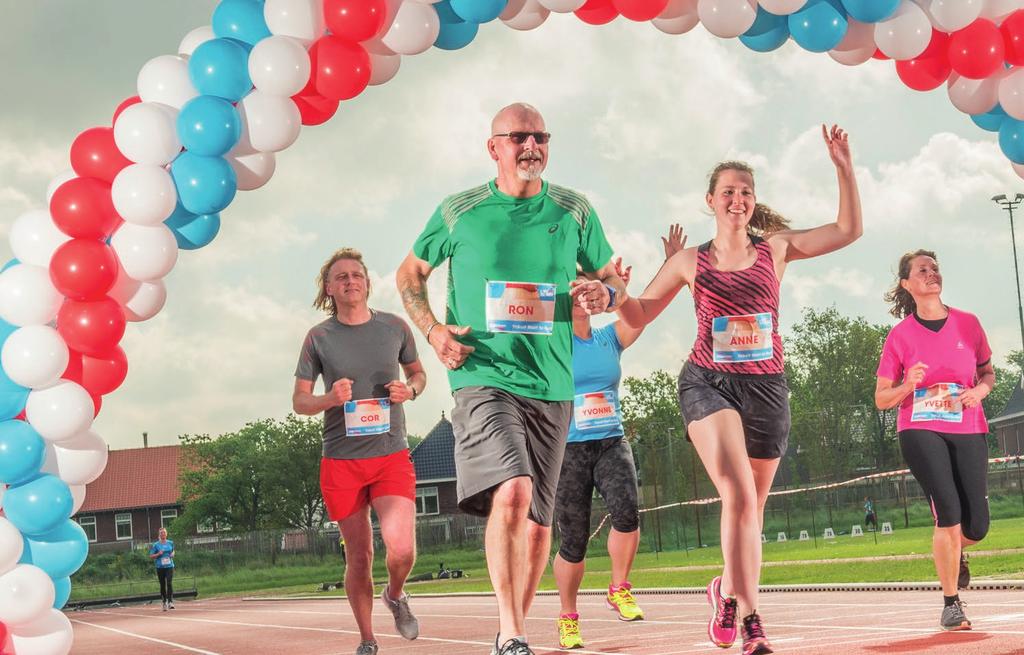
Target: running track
(807, 623)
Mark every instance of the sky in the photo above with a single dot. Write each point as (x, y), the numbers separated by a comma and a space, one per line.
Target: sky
(638, 119)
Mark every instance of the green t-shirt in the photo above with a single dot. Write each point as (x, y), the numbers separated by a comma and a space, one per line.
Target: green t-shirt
(490, 236)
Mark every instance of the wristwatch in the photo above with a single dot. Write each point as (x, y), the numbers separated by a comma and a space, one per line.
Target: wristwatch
(611, 296)
(414, 392)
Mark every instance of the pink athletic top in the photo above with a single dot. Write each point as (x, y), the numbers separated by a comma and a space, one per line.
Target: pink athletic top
(953, 355)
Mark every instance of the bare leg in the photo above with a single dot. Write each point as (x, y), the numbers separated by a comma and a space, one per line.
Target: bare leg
(764, 474)
(506, 548)
(622, 549)
(398, 530)
(538, 549)
(568, 576)
(359, 568)
(946, 551)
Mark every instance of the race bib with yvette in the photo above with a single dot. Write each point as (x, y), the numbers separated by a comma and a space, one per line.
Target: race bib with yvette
(939, 402)
(165, 561)
(742, 338)
(370, 416)
(595, 410)
(520, 307)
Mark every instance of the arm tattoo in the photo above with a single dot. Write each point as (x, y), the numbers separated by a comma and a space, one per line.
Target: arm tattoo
(413, 290)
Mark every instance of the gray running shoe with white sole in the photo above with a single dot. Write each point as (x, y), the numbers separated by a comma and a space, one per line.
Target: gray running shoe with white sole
(405, 621)
(367, 648)
(953, 617)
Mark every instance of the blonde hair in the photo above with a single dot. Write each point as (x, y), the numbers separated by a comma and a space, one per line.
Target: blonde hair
(902, 302)
(324, 301)
(765, 219)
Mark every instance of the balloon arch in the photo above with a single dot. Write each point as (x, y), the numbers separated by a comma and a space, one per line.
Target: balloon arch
(207, 122)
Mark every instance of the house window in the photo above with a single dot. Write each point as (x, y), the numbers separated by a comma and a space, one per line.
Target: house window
(204, 526)
(426, 501)
(167, 516)
(88, 524)
(123, 526)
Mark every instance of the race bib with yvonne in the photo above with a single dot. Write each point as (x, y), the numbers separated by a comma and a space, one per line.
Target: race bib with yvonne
(165, 561)
(939, 402)
(595, 410)
(520, 307)
(742, 338)
(370, 416)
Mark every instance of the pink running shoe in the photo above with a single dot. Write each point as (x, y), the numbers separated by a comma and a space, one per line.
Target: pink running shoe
(754, 641)
(722, 626)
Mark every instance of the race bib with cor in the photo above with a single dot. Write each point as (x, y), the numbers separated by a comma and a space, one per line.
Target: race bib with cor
(742, 338)
(520, 307)
(370, 416)
(595, 410)
(939, 402)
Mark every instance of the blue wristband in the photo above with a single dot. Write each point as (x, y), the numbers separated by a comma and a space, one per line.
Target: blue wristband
(611, 296)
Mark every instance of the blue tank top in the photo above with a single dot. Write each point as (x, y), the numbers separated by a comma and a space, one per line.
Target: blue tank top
(596, 374)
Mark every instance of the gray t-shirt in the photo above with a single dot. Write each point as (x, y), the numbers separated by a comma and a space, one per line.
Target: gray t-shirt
(368, 354)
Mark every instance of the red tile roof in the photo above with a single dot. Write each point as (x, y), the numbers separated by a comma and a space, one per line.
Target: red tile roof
(136, 477)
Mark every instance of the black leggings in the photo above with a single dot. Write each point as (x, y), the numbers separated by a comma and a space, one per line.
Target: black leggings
(166, 577)
(952, 469)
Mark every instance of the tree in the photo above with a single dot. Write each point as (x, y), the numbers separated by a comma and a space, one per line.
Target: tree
(294, 457)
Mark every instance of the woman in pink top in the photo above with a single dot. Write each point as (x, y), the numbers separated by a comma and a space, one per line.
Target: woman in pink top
(936, 366)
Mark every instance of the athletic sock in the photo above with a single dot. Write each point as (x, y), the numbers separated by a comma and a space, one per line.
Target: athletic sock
(949, 600)
(572, 615)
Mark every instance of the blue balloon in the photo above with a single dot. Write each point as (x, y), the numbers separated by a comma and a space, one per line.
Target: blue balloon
(198, 232)
(991, 120)
(478, 11)
(446, 14)
(240, 19)
(767, 33)
(63, 588)
(6, 329)
(206, 185)
(39, 505)
(871, 11)
(220, 67)
(208, 125)
(1011, 139)
(12, 262)
(59, 552)
(12, 403)
(22, 452)
(456, 35)
(819, 26)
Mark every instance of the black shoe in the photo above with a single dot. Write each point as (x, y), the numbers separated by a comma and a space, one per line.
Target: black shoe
(963, 578)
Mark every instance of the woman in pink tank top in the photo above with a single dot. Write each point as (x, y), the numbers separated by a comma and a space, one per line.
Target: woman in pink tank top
(732, 391)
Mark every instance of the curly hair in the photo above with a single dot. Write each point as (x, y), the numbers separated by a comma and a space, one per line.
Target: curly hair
(765, 220)
(902, 302)
(324, 301)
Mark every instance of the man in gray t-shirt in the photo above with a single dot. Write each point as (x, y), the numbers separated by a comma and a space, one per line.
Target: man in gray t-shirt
(358, 352)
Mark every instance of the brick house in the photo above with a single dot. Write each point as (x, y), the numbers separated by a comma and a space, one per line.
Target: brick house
(1009, 425)
(434, 461)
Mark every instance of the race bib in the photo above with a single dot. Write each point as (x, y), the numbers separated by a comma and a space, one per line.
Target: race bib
(939, 402)
(370, 416)
(742, 338)
(595, 410)
(520, 307)
(165, 561)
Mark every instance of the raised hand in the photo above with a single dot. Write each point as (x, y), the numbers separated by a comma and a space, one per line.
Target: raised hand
(675, 241)
(624, 274)
(838, 143)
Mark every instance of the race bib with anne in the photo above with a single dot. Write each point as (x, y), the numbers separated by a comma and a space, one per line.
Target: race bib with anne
(745, 338)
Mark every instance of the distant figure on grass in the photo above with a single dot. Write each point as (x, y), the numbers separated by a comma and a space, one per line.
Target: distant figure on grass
(870, 519)
(358, 352)
(936, 366)
(162, 554)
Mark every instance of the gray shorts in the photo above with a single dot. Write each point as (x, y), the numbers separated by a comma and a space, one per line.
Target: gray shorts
(499, 436)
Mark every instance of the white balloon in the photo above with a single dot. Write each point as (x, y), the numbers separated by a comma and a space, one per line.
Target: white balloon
(857, 46)
(997, 10)
(194, 39)
(279, 66)
(146, 252)
(254, 170)
(77, 497)
(34, 238)
(144, 194)
(782, 7)
(26, 593)
(11, 545)
(269, 123)
(165, 79)
(141, 300)
(78, 460)
(974, 96)
(61, 411)
(299, 19)
(50, 634)
(35, 356)
(952, 15)
(383, 67)
(27, 296)
(1011, 93)
(414, 29)
(679, 17)
(146, 133)
(58, 180)
(524, 14)
(563, 6)
(906, 33)
(727, 18)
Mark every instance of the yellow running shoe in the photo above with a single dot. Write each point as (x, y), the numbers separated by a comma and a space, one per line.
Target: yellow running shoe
(569, 631)
(621, 600)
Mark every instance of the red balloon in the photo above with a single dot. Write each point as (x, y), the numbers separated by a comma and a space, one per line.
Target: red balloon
(83, 269)
(92, 327)
(640, 10)
(354, 20)
(314, 108)
(881, 56)
(597, 12)
(125, 104)
(104, 372)
(97, 405)
(340, 68)
(977, 50)
(1012, 30)
(931, 68)
(74, 370)
(82, 208)
(94, 154)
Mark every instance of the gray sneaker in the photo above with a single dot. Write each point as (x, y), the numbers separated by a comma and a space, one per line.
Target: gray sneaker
(953, 617)
(511, 647)
(405, 621)
(367, 648)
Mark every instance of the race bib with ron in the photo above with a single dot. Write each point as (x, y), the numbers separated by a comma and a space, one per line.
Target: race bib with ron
(520, 307)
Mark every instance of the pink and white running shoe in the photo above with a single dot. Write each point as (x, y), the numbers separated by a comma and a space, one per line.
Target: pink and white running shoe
(722, 626)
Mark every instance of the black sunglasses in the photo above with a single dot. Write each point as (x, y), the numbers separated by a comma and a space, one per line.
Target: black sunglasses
(520, 138)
